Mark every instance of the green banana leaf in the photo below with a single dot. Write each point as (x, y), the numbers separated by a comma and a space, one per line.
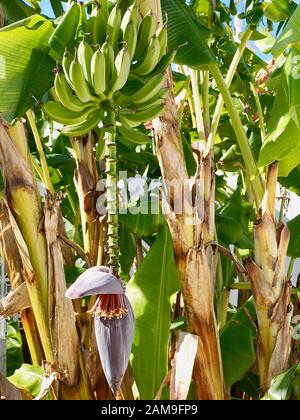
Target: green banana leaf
(250, 385)
(15, 10)
(60, 161)
(150, 291)
(292, 182)
(190, 161)
(16, 45)
(237, 344)
(186, 33)
(290, 36)
(127, 249)
(281, 386)
(294, 244)
(203, 7)
(57, 7)
(72, 273)
(39, 78)
(228, 235)
(65, 32)
(28, 378)
(14, 351)
(235, 213)
(144, 224)
(282, 143)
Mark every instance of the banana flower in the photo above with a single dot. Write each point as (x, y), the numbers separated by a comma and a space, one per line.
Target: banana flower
(113, 320)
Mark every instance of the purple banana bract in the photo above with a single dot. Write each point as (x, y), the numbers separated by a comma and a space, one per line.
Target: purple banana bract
(113, 320)
(95, 281)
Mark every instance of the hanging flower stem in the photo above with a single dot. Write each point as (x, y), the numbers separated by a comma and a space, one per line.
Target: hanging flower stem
(111, 185)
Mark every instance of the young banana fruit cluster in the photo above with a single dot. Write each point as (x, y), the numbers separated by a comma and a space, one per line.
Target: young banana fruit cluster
(120, 61)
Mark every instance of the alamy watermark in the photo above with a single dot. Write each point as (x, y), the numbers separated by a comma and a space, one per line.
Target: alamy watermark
(141, 195)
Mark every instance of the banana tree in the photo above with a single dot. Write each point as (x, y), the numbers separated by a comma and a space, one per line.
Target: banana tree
(94, 96)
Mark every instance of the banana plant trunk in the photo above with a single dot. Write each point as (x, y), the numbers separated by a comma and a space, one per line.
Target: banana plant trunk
(192, 230)
(195, 258)
(85, 179)
(23, 201)
(16, 273)
(271, 287)
(36, 231)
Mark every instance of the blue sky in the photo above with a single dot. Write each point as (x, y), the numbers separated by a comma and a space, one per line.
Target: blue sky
(46, 7)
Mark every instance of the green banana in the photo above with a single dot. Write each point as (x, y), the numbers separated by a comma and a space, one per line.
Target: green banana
(148, 91)
(66, 64)
(65, 31)
(85, 127)
(97, 25)
(146, 32)
(113, 26)
(65, 94)
(79, 83)
(130, 38)
(144, 107)
(57, 112)
(162, 36)
(131, 14)
(110, 68)
(149, 60)
(132, 134)
(158, 99)
(85, 54)
(122, 65)
(164, 63)
(134, 119)
(98, 72)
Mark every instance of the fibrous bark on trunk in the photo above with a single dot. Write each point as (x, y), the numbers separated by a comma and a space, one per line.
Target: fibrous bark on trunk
(271, 288)
(62, 320)
(85, 179)
(25, 214)
(191, 230)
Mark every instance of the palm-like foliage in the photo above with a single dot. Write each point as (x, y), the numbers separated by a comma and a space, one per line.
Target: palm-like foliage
(228, 115)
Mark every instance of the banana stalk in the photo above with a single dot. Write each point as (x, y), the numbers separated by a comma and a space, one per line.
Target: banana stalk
(112, 221)
(271, 287)
(23, 200)
(14, 268)
(191, 231)
(111, 184)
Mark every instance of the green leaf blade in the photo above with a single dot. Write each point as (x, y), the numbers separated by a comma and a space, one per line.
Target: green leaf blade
(150, 291)
(290, 35)
(281, 386)
(185, 30)
(16, 45)
(237, 344)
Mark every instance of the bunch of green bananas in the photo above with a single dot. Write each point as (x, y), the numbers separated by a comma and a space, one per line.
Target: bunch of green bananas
(120, 62)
